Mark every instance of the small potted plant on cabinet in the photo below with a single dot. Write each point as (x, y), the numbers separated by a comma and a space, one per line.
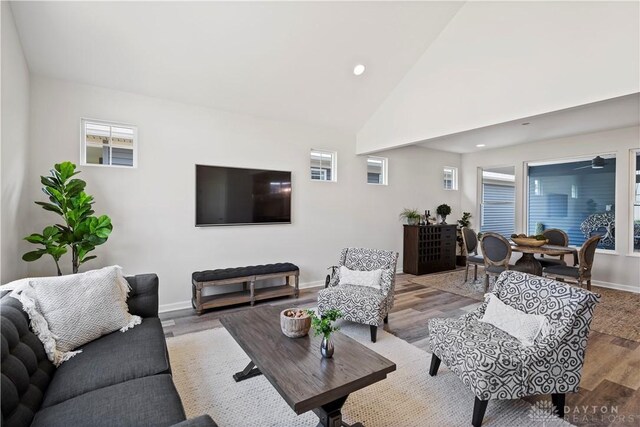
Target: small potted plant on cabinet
(443, 210)
(412, 216)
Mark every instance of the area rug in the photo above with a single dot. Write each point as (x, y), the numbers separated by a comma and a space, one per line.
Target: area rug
(203, 362)
(617, 314)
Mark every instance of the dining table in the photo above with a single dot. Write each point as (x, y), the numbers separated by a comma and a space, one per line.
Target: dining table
(528, 263)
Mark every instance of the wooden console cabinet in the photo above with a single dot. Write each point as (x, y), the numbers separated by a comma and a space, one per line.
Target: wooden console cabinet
(429, 248)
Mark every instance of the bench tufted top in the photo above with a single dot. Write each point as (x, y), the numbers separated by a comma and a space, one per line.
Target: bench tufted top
(252, 270)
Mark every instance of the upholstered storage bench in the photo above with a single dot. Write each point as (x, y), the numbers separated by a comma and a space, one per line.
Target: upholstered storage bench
(247, 276)
(120, 379)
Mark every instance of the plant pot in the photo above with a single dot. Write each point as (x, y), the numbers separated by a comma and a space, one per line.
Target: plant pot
(326, 347)
(443, 219)
(461, 260)
(413, 221)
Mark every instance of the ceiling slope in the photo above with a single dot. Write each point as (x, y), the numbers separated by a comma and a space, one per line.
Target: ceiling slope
(283, 60)
(501, 61)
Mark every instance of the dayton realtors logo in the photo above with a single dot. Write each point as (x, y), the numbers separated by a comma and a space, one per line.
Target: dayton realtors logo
(544, 412)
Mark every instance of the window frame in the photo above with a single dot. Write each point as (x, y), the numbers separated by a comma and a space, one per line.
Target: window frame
(454, 178)
(385, 170)
(580, 158)
(633, 153)
(334, 165)
(83, 142)
(480, 191)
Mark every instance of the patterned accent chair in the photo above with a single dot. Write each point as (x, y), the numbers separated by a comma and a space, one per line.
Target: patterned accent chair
(361, 304)
(495, 365)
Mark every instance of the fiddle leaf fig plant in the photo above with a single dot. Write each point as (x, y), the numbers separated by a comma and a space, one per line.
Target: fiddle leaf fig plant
(81, 230)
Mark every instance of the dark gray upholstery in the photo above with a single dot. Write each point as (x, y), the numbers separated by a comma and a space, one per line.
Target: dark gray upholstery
(143, 297)
(551, 262)
(201, 421)
(253, 270)
(556, 237)
(563, 270)
(26, 371)
(112, 359)
(119, 379)
(475, 259)
(148, 401)
(494, 248)
(470, 240)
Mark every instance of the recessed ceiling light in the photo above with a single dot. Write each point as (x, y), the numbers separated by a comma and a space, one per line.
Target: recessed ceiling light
(526, 123)
(481, 145)
(358, 69)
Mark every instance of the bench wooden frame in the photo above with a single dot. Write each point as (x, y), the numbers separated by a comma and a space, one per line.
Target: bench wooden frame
(251, 295)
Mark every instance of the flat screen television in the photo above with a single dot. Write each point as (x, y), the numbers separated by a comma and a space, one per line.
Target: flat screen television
(236, 196)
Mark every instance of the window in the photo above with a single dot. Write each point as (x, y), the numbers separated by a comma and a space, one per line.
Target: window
(578, 197)
(323, 165)
(498, 202)
(636, 200)
(108, 144)
(450, 176)
(377, 170)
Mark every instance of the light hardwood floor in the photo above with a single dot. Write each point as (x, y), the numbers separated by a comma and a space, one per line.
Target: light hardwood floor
(609, 391)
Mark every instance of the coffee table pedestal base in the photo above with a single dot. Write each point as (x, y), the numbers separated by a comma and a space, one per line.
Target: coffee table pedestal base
(331, 415)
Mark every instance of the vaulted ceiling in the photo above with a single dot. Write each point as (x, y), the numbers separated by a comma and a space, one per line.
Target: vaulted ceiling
(285, 60)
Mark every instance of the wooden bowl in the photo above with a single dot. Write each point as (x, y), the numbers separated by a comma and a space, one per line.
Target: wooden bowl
(294, 327)
(527, 241)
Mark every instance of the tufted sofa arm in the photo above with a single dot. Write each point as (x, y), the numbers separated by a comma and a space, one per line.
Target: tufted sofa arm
(143, 297)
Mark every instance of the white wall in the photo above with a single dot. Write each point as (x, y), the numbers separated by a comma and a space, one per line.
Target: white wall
(152, 207)
(620, 269)
(14, 150)
(501, 61)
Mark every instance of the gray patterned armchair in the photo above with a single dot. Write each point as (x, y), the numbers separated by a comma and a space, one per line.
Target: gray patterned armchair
(359, 303)
(495, 365)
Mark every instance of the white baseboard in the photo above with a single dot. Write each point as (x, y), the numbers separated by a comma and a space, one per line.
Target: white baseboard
(174, 306)
(616, 286)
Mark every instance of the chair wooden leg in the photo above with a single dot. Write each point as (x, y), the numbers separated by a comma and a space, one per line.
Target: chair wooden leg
(435, 364)
(558, 401)
(479, 408)
(374, 332)
(386, 319)
(589, 284)
(486, 282)
(466, 273)
(475, 272)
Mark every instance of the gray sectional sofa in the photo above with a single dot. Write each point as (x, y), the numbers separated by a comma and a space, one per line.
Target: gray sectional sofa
(120, 379)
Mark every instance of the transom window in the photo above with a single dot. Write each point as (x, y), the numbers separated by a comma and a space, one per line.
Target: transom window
(376, 170)
(108, 144)
(323, 165)
(450, 178)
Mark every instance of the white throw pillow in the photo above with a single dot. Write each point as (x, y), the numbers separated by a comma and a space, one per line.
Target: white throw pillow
(69, 311)
(525, 327)
(360, 278)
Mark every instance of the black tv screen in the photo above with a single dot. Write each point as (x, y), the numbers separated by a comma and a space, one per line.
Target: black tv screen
(228, 196)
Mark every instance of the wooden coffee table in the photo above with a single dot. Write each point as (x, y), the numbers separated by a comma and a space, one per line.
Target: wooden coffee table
(295, 368)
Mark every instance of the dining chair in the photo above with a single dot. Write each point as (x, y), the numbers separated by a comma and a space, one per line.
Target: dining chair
(470, 240)
(582, 273)
(556, 237)
(496, 252)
